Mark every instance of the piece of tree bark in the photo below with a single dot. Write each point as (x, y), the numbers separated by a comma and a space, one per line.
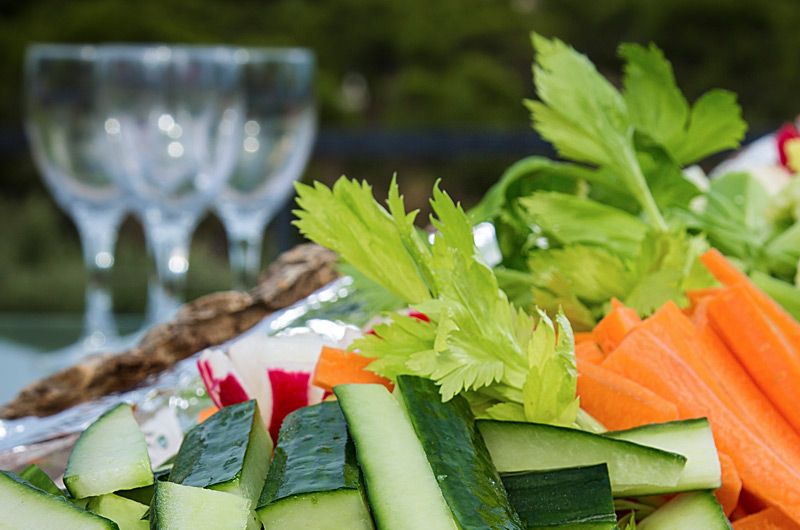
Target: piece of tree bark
(205, 322)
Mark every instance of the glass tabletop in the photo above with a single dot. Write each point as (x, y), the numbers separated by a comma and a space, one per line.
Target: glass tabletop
(35, 345)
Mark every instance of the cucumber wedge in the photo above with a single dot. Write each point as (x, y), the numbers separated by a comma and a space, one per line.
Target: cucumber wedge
(110, 455)
(125, 512)
(24, 507)
(314, 482)
(40, 479)
(177, 507)
(633, 469)
(690, 438)
(230, 452)
(458, 456)
(402, 490)
(577, 498)
(698, 509)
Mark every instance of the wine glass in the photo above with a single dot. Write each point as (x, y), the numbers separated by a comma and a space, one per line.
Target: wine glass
(60, 121)
(171, 115)
(278, 129)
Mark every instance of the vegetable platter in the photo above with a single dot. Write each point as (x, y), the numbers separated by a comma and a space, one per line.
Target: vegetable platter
(627, 356)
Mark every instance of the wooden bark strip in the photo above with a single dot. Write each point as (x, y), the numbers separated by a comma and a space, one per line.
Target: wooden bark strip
(207, 321)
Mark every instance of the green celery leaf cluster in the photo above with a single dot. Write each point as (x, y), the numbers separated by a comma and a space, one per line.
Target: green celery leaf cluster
(476, 341)
(611, 221)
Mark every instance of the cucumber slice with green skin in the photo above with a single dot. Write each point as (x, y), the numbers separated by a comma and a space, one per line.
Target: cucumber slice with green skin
(125, 512)
(577, 498)
(401, 487)
(230, 452)
(110, 455)
(314, 482)
(24, 507)
(178, 507)
(40, 479)
(698, 509)
(458, 456)
(633, 469)
(690, 438)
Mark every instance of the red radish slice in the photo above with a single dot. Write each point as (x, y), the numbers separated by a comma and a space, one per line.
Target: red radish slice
(290, 392)
(276, 371)
(225, 386)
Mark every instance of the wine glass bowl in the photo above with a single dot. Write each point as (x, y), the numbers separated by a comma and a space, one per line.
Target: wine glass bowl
(171, 116)
(277, 136)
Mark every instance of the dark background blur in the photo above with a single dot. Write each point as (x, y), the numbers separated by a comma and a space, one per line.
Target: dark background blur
(426, 89)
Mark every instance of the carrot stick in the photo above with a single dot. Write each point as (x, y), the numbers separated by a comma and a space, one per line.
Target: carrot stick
(769, 519)
(617, 402)
(614, 326)
(739, 513)
(678, 334)
(589, 351)
(583, 336)
(728, 494)
(336, 367)
(729, 275)
(646, 360)
(722, 269)
(696, 295)
(206, 413)
(721, 371)
(770, 359)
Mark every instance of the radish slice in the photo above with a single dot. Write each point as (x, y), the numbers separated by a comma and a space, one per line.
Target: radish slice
(224, 384)
(276, 371)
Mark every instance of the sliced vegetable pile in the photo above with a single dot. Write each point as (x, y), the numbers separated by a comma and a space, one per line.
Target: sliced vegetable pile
(477, 406)
(372, 459)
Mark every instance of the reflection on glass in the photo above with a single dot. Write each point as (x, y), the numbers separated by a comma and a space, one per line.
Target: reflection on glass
(278, 132)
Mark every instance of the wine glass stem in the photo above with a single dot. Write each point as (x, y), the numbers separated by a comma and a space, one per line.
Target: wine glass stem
(169, 248)
(244, 253)
(98, 234)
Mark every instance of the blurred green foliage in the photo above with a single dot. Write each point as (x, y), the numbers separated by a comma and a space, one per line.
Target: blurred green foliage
(382, 64)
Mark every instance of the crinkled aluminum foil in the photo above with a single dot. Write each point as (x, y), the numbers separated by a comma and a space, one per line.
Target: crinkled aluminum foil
(167, 404)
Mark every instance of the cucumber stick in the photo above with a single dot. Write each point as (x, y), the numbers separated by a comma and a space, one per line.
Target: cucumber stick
(401, 487)
(690, 438)
(633, 469)
(110, 455)
(230, 452)
(314, 482)
(697, 509)
(178, 507)
(24, 507)
(576, 498)
(40, 479)
(125, 512)
(458, 456)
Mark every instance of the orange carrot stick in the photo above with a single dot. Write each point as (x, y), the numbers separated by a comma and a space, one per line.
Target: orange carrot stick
(728, 494)
(769, 519)
(206, 413)
(729, 275)
(617, 402)
(721, 371)
(646, 360)
(770, 359)
(739, 513)
(696, 295)
(583, 336)
(336, 367)
(589, 351)
(678, 334)
(613, 327)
